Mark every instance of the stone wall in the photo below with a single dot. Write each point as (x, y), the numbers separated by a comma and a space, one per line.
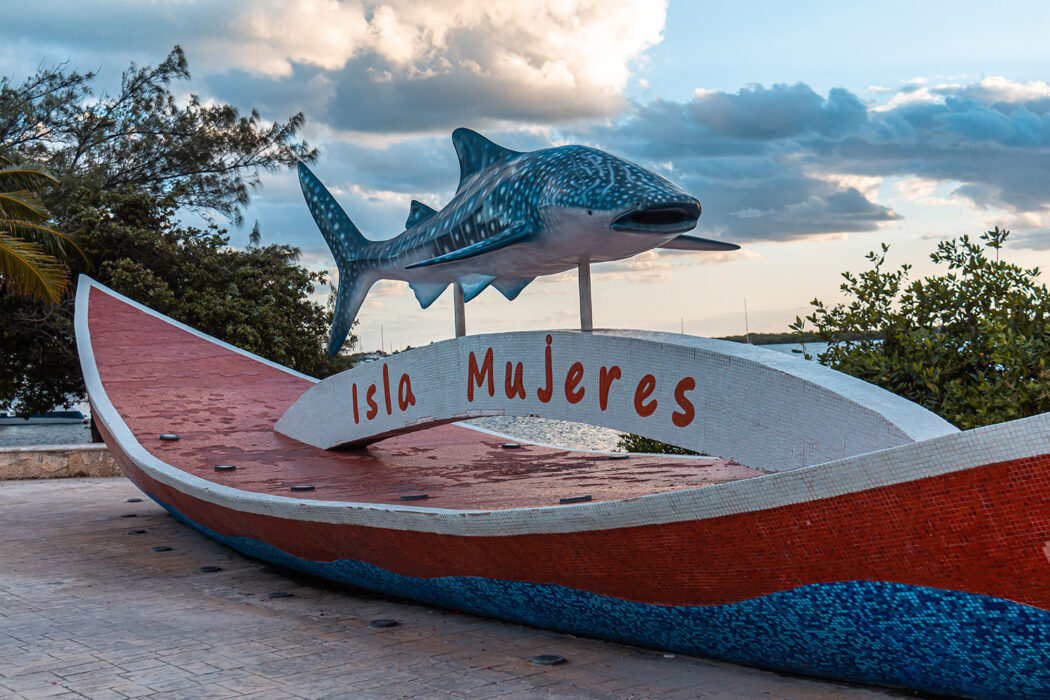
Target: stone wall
(56, 461)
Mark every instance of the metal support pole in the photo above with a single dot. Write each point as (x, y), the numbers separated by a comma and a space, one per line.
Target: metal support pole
(586, 319)
(461, 311)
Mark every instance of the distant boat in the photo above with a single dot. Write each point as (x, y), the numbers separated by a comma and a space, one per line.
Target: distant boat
(49, 418)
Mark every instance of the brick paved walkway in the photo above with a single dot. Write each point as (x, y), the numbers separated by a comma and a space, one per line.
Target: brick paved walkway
(87, 609)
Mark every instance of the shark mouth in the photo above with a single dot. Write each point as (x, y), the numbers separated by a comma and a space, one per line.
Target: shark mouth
(659, 218)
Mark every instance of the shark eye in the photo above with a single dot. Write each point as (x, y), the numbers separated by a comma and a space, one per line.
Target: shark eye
(590, 213)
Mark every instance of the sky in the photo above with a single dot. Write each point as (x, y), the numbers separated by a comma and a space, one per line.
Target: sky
(812, 132)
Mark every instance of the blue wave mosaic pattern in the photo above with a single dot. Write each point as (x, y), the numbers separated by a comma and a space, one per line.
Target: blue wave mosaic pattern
(864, 631)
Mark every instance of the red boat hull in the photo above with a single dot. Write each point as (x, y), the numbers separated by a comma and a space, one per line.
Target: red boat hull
(922, 566)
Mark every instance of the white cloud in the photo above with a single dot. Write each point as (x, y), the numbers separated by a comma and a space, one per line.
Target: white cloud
(582, 44)
(818, 237)
(867, 185)
(266, 37)
(915, 188)
(389, 288)
(1037, 240)
(424, 67)
(649, 267)
(918, 95)
(364, 65)
(1000, 89)
(990, 90)
(1017, 221)
(660, 266)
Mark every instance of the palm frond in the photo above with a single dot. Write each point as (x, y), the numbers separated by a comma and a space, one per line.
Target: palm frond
(22, 205)
(56, 243)
(25, 177)
(28, 270)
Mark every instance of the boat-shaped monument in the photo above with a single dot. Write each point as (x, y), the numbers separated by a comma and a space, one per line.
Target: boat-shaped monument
(828, 527)
(845, 534)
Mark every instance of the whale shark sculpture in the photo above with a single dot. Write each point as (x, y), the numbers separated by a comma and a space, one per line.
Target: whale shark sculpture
(514, 216)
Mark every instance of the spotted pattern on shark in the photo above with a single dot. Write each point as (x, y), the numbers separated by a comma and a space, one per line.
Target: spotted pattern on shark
(514, 216)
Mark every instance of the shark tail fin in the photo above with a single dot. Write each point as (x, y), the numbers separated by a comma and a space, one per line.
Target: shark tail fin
(354, 284)
(344, 239)
(348, 246)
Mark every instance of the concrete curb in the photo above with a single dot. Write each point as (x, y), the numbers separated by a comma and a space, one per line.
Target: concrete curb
(56, 462)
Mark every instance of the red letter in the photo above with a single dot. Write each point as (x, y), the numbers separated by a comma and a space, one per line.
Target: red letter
(386, 387)
(688, 412)
(572, 380)
(643, 391)
(546, 392)
(405, 397)
(606, 375)
(370, 395)
(478, 375)
(357, 418)
(516, 386)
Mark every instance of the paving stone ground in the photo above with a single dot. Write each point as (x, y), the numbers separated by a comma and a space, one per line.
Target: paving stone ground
(88, 610)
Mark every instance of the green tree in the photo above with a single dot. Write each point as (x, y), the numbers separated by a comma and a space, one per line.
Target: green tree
(255, 237)
(205, 158)
(125, 165)
(970, 344)
(32, 253)
(256, 299)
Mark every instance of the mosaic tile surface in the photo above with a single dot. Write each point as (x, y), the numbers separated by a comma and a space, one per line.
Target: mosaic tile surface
(865, 631)
(924, 565)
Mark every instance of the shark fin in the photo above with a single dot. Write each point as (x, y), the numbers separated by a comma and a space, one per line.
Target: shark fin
(476, 153)
(353, 288)
(347, 245)
(418, 212)
(339, 232)
(518, 233)
(511, 287)
(427, 292)
(473, 285)
(687, 242)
